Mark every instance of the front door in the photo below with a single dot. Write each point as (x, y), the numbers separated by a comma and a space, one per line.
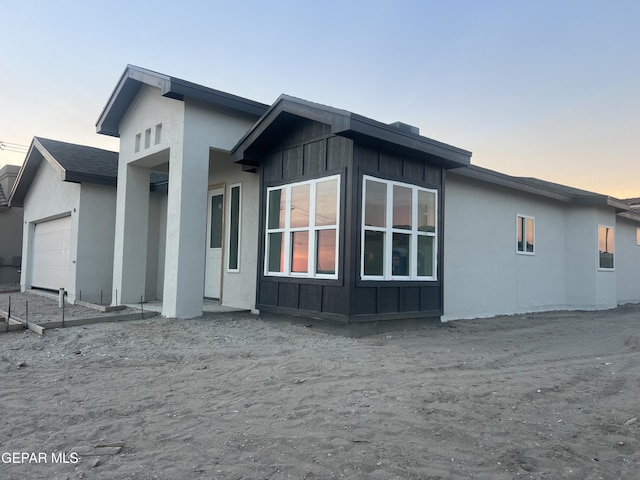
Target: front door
(215, 226)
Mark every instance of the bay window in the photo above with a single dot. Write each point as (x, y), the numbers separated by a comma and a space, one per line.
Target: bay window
(399, 231)
(302, 229)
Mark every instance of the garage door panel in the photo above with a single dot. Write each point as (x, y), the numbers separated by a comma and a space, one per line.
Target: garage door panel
(51, 247)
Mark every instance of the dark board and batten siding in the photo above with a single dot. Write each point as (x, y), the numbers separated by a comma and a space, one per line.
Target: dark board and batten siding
(395, 299)
(308, 151)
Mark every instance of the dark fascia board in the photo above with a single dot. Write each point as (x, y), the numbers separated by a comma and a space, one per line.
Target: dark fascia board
(283, 106)
(134, 77)
(347, 124)
(544, 189)
(35, 155)
(76, 177)
(366, 128)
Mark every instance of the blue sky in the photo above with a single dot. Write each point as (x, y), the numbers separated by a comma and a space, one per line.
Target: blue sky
(533, 88)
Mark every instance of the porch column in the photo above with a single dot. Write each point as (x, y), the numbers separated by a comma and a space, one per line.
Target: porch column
(186, 230)
(130, 245)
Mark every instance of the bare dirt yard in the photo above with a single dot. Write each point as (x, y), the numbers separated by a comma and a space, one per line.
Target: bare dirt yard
(235, 396)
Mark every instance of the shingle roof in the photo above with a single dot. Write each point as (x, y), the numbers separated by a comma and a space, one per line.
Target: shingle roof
(635, 201)
(74, 163)
(81, 159)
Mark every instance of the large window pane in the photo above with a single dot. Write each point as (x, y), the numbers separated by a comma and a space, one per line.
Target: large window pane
(326, 247)
(373, 253)
(300, 206)
(299, 243)
(520, 228)
(299, 251)
(400, 255)
(375, 208)
(426, 211)
(529, 234)
(425, 256)
(326, 202)
(606, 246)
(216, 222)
(402, 204)
(275, 253)
(276, 209)
(234, 228)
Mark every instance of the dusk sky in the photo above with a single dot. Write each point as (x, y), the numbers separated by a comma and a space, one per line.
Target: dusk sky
(548, 89)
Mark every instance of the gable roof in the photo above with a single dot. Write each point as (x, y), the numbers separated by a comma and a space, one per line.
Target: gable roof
(74, 163)
(135, 77)
(399, 137)
(543, 188)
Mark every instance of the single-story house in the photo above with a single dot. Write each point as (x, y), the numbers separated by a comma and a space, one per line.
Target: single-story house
(68, 193)
(306, 209)
(10, 229)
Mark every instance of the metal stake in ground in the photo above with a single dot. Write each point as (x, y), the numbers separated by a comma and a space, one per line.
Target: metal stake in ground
(63, 312)
(141, 308)
(26, 313)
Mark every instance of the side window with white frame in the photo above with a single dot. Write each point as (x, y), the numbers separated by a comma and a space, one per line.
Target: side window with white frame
(235, 208)
(303, 229)
(606, 247)
(525, 235)
(399, 231)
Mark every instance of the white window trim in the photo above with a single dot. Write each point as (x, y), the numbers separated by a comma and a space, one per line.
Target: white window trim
(388, 230)
(525, 217)
(231, 187)
(605, 269)
(311, 228)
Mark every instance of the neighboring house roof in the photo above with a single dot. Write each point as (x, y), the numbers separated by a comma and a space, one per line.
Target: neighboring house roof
(543, 188)
(135, 77)
(4, 203)
(398, 136)
(74, 163)
(633, 202)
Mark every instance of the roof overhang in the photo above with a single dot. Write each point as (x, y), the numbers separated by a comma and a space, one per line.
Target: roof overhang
(27, 173)
(286, 109)
(135, 77)
(541, 188)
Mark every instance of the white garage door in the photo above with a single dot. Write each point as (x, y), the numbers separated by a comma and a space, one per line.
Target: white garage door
(50, 260)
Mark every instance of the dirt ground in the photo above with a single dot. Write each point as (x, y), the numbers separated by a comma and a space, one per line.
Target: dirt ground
(235, 396)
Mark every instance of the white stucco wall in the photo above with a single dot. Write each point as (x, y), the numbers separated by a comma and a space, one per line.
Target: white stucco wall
(627, 261)
(239, 288)
(155, 244)
(189, 130)
(96, 225)
(483, 274)
(132, 269)
(48, 198)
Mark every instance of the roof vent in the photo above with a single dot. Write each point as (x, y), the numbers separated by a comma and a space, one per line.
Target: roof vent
(406, 128)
